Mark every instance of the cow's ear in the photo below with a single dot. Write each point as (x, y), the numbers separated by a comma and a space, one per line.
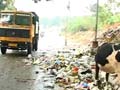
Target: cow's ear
(118, 56)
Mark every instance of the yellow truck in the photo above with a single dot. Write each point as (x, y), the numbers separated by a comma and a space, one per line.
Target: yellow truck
(19, 30)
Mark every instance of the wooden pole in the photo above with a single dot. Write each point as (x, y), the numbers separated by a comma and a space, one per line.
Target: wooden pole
(95, 42)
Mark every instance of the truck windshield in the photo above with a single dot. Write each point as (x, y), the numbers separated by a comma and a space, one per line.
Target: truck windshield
(22, 19)
(18, 18)
(7, 18)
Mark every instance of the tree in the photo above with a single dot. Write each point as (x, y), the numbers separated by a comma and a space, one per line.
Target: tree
(107, 12)
(7, 5)
(2, 4)
(104, 14)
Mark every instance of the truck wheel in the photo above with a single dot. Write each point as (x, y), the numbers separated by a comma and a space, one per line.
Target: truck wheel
(29, 49)
(3, 50)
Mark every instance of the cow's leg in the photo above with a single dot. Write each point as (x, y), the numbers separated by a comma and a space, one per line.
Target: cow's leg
(107, 77)
(97, 78)
(97, 72)
(97, 81)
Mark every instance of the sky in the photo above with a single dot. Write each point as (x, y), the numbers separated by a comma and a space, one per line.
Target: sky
(56, 7)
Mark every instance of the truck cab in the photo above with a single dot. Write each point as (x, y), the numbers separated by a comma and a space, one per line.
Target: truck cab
(19, 30)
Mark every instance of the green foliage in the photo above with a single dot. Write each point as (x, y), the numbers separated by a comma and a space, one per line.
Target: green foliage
(7, 5)
(77, 24)
(107, 14)
(104, 15)
(114, 19)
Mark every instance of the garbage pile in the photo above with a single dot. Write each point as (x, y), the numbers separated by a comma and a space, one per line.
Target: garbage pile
(112, 35)
(68, 69)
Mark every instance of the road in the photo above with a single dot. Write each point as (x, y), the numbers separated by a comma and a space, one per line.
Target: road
(16, 75)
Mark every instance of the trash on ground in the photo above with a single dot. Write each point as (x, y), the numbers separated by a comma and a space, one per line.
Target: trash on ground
(72, 68)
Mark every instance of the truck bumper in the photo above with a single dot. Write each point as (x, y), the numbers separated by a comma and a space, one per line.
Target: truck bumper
(14, 45)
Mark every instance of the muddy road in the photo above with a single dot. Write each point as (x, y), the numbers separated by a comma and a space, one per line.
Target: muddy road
(16, 75)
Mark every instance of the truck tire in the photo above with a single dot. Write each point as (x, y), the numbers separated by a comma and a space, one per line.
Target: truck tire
(29, 48)
(3, 50)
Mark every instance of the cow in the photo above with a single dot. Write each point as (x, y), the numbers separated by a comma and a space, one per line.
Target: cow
(107, 59)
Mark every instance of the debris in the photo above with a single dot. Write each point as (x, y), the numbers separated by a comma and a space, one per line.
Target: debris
(36, 61)
(36, 72)
(49, 85)
(71, 69)
(112, 35)
(29, 56)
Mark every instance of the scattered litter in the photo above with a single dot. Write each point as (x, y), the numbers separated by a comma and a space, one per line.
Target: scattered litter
(49, 85)
(72, 69)
(36, 72)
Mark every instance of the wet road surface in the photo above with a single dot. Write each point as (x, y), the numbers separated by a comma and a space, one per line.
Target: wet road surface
(16, 75)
